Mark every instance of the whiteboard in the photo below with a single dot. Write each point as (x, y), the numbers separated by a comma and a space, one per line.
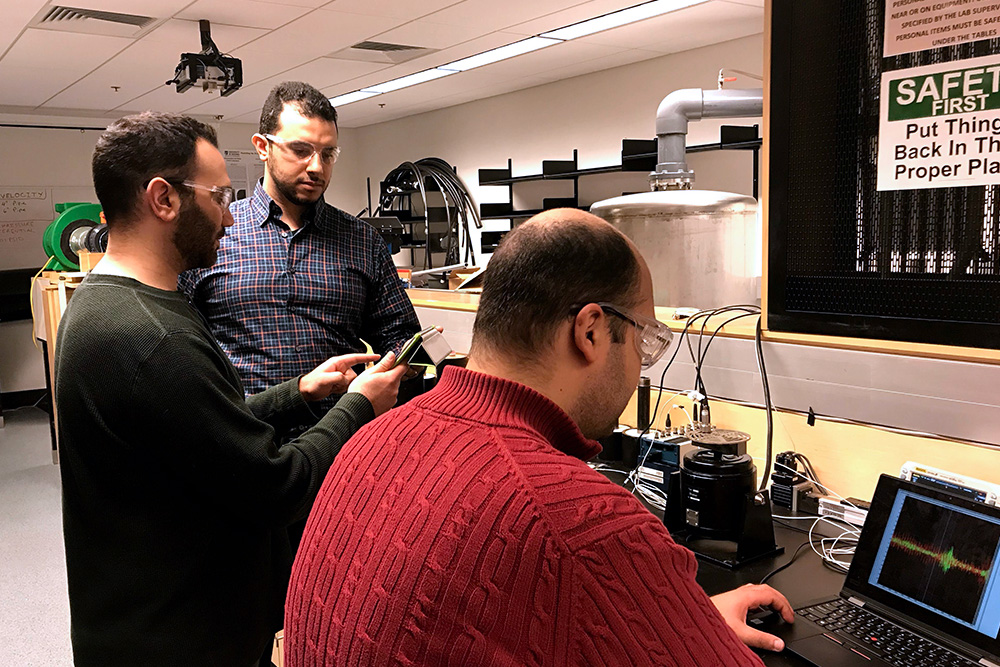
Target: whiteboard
(25, 212)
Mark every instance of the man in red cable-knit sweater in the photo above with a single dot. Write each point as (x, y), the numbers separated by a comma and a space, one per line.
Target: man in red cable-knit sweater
(465, 527)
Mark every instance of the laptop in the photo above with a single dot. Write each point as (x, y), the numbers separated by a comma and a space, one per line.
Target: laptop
(923, 587)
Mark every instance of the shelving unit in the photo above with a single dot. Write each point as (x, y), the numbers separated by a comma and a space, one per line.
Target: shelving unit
(637, 155)
(428, 233)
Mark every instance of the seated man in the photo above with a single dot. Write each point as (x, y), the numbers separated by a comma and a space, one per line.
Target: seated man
(465, 528)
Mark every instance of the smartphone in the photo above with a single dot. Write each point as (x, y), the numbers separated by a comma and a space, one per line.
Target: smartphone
(411, 347)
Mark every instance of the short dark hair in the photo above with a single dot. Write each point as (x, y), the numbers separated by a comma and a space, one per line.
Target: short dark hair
(541, 271)
(310, 102)
(137, 148)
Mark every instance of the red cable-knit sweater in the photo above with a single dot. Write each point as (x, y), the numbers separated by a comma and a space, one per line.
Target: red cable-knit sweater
(464, 528)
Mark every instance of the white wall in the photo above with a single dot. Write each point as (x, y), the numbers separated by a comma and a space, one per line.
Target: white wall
(591, 113)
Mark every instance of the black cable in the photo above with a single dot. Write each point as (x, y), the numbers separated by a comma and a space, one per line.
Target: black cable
(410, 177)
(663, 375)
(767, 404)
(790, 561)
(719, 328)
(699, 383)
(790, 526)
(807, 464)
(833, 566)
(703, 355)
(680, 340)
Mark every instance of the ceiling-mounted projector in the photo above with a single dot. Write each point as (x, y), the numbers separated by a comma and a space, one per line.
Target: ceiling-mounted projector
(209, 69)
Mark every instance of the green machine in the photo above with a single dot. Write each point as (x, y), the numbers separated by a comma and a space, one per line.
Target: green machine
(78, 227)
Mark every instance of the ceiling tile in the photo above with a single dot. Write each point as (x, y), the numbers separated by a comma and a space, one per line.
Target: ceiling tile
(75, 53)
(285, 39)
(464, 50)
(95, 90)
(157, 8)
(162, 99)
(431, 35)
(532, 64)
(686, 29)
(318, 73)
(319, 33)
(15, 17)
(390, 8)
(30, 86)
(312, 4)
(489, 78)
(185, 37)
(258, 65)
(248, 13)
(569, 16)
(490, 15)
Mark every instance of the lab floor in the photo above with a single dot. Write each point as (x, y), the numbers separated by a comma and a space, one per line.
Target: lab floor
(34, 607)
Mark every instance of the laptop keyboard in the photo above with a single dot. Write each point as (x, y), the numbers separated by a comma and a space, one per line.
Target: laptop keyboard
(886, 640)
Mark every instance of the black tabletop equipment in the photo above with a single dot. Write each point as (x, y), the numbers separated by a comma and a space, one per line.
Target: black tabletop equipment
(713, 506)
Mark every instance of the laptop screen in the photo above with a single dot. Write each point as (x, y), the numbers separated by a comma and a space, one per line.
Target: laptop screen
(933, 557)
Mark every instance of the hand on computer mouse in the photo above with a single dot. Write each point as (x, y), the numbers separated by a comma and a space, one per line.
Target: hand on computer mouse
(735, 604)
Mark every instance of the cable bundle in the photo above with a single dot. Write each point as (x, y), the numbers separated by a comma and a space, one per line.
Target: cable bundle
(652, 495)
(411, 177)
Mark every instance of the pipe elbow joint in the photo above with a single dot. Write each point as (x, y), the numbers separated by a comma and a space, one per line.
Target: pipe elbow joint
(677, 108)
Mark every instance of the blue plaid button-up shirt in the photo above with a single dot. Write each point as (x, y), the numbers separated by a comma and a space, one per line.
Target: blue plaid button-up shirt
(280, 301)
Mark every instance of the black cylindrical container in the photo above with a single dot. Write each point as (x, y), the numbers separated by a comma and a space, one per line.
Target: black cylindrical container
(715, 488)
(642, 405)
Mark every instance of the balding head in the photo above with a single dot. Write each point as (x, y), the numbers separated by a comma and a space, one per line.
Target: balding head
(557, 260)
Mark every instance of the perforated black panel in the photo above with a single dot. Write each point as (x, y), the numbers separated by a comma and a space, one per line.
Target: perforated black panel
(845, 259)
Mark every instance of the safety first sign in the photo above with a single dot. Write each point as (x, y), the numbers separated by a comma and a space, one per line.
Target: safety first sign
(939, 126)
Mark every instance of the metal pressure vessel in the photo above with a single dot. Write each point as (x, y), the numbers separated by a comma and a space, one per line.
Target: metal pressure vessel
(702, 246)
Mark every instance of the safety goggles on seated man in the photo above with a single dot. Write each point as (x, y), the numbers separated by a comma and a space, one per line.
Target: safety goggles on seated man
(652, 337)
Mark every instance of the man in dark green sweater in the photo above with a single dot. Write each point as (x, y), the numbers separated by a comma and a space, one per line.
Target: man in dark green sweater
(175, 496)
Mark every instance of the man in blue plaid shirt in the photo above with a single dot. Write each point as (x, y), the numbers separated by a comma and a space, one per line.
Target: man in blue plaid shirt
(297, 280)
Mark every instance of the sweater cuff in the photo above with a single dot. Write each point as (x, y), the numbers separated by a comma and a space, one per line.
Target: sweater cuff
(357, 405)
(292, 399)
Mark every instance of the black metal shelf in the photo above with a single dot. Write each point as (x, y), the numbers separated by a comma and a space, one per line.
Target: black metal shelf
(637, 155)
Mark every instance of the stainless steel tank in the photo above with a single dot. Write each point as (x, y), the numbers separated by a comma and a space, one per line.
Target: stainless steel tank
(702, 246)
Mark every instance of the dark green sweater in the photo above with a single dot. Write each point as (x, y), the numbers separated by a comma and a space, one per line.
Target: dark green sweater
(175, 497)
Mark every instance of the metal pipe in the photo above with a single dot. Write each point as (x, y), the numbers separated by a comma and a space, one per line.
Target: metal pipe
(672, 117)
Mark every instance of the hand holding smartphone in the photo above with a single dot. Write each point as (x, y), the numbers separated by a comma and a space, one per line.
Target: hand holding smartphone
(411, 346)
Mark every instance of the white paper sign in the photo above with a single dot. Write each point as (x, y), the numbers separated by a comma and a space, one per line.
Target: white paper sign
(25, 212)
(245, 168)
(939, 126)
(918, 25)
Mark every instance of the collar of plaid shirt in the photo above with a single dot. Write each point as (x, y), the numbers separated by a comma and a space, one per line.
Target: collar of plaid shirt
(265, 209)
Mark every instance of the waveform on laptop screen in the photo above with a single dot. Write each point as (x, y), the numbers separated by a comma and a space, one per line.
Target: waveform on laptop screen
(945, 560)
(940, 557)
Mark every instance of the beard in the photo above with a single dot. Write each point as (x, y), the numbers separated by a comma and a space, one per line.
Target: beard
(287, 190)
(597, 412)
(195, 237)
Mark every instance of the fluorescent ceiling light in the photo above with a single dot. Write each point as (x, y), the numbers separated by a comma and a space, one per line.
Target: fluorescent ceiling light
(404, 81)
(619, 18)
(502, 53)
(589, 27)
(347, 98)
